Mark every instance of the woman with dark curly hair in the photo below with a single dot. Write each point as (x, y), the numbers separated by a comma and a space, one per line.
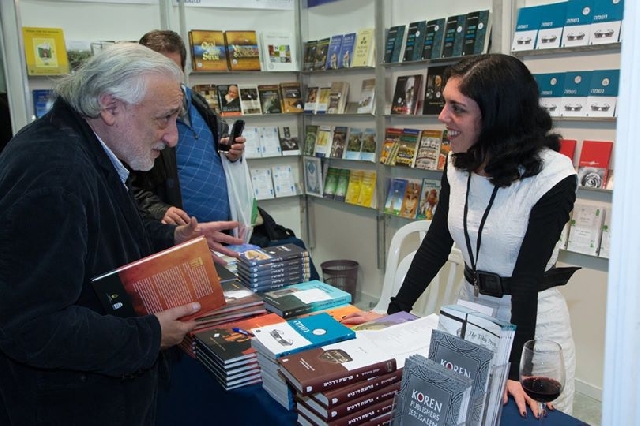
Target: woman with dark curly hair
(506, 195)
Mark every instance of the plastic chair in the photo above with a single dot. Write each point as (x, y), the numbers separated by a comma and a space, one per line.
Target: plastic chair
(447, 281)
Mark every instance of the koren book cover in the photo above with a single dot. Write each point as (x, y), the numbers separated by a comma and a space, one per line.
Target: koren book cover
(551, 89)
(577, 23)
(603, 93)
(551, 25)
(527, 27)
(45, 51)
(575, 93)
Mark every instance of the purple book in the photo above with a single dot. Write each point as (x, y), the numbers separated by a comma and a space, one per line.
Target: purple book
(386, 321)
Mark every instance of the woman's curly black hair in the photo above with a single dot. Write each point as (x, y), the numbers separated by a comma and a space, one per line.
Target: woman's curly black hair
(514, 127)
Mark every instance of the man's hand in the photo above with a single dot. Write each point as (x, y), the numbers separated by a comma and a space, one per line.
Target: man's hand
(360, 318)
(173, 330)
(213, 232)
(175, 216)
(237, 148)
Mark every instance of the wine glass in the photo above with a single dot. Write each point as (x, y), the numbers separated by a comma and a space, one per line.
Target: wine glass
(542, 372)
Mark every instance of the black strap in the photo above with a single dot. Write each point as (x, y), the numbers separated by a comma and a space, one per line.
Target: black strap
(552, 278)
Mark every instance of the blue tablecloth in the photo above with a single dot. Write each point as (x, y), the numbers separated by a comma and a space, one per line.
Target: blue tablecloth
(194, 398)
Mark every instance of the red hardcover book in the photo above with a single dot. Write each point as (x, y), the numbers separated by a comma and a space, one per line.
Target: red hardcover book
(568, 147)
(353, 405)
(593, 166)
(345, 394)
(354, 418)
(181, 274)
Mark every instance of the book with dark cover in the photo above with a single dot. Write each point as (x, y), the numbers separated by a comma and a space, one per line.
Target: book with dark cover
(342, 396)
(353, 405)
(405, 96)
(483, 32)
(229, 100)
(352, 418)
(309, 55)
(415, 41)
(289, 141)
(339, 143)
(432, 48)
(291, 95)
(393, 45)
(296, 335)
(174, 277)
(293, 277)
(242, 50)
(431, 391)
(42, 101)
(269, 95)
(453, 36)
(467, 359)
(343, 184)
(320, 58)
(210, 93)
(208, 50)
(433, 97)
(273, 267)
(333, 52)
(395, 194)
(304, 297)
(271, 254)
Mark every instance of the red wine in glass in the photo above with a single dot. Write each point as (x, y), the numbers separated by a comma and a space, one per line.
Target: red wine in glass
(542, 389)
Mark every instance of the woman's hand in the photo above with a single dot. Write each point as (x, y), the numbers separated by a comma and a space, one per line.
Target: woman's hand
(360, 318)
(514, 388)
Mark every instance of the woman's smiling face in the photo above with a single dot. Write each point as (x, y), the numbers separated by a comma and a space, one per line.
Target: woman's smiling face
(462, 117)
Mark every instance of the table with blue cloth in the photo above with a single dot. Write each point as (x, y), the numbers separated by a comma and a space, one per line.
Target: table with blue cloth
(193, 397)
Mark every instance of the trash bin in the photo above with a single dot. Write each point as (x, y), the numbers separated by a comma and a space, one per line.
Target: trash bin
(342, 274)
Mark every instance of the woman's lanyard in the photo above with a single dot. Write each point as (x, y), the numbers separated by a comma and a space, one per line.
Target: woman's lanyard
(476, 289)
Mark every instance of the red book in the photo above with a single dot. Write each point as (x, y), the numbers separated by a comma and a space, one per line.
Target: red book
(568, 147)
(593, 166)
(345, 394)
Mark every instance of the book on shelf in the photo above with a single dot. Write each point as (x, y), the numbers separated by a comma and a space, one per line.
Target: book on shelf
(78, 51)
(568, 147)
(405, 155)
(410, 199)
(433, 97)
(289, 141)
(339, 141)
(345, 59)
(391, 140)
(331, 183)
(366, 197)
(310, 135)
(42, 101)
(603, 93)
(477, 33)
(307, 416)
(279, 51)
(469, 360)
(327, 400)
(606, 25)
(364, 49)
(395, 194)
(428, 149)
(574, 95)
(405, 95)
(321, 52)
(208, 51)
(302, 298)
(394, 42)
(551, 26)
(432, 391)
(309, 54)
(429, 197)
(333, 52)
(338, 97)
(324, 94)
(242, 50)
(354, 187)
(527, 26)
(366, 104)
(45, 51)
(283, 181)
(291, 95)
(445, 149)
(577, 23)
(453, 36)
(593, 164)
(269, 141)
(354, 144)
(585, 228)
(313, 181)
(311, 100)
(415, 41)
(324, 139)
(249, 99)
(210, 94)
(433, 39)
(252, 148)
(368, 152)
(298, 334)
(343, 184)
(262, 183)
(229, 99)
(173, 277)
(269, 95)
(551, 88)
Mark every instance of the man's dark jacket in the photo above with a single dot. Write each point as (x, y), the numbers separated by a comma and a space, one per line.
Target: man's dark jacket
(159, 188)
(66, 217)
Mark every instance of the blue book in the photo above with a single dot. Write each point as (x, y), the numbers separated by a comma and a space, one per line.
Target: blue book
(433, 39)
(577, 23)
(551, 25)
(335, 45)
(607, 21)
(415, 41)
(527, 27)
(395, 194)
(476, 33)
(550, 87)
(297, 335)
(603, 93)
(42, 101)
(394, 43)
(309, 296)
(451, 37)
(575, 93)
(458, 42)
(346, 50)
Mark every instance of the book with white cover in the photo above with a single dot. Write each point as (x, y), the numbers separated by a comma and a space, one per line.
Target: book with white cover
(270, 142)
(283, 181)
(605, 239)
(262, 182)
(586, 224)
(279, 51)
(252, 147)
(249, 100)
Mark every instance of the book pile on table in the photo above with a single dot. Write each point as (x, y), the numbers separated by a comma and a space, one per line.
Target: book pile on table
(304, 297)
(355, 381)
(263, 269)
(288, 337)
(226, 351)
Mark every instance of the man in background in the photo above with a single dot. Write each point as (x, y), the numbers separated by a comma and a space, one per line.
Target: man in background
(67, 216)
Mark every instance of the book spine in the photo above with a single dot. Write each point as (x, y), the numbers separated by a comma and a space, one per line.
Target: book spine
(364, 415)
(343, 395)
(366, 401)
(343, 378)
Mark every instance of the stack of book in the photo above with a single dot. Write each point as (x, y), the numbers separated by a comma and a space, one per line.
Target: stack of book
(288, 337)
(226, 351)
(310, 296)
(264, 269)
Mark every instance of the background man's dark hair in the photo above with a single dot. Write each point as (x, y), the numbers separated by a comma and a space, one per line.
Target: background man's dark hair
(165, 41)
